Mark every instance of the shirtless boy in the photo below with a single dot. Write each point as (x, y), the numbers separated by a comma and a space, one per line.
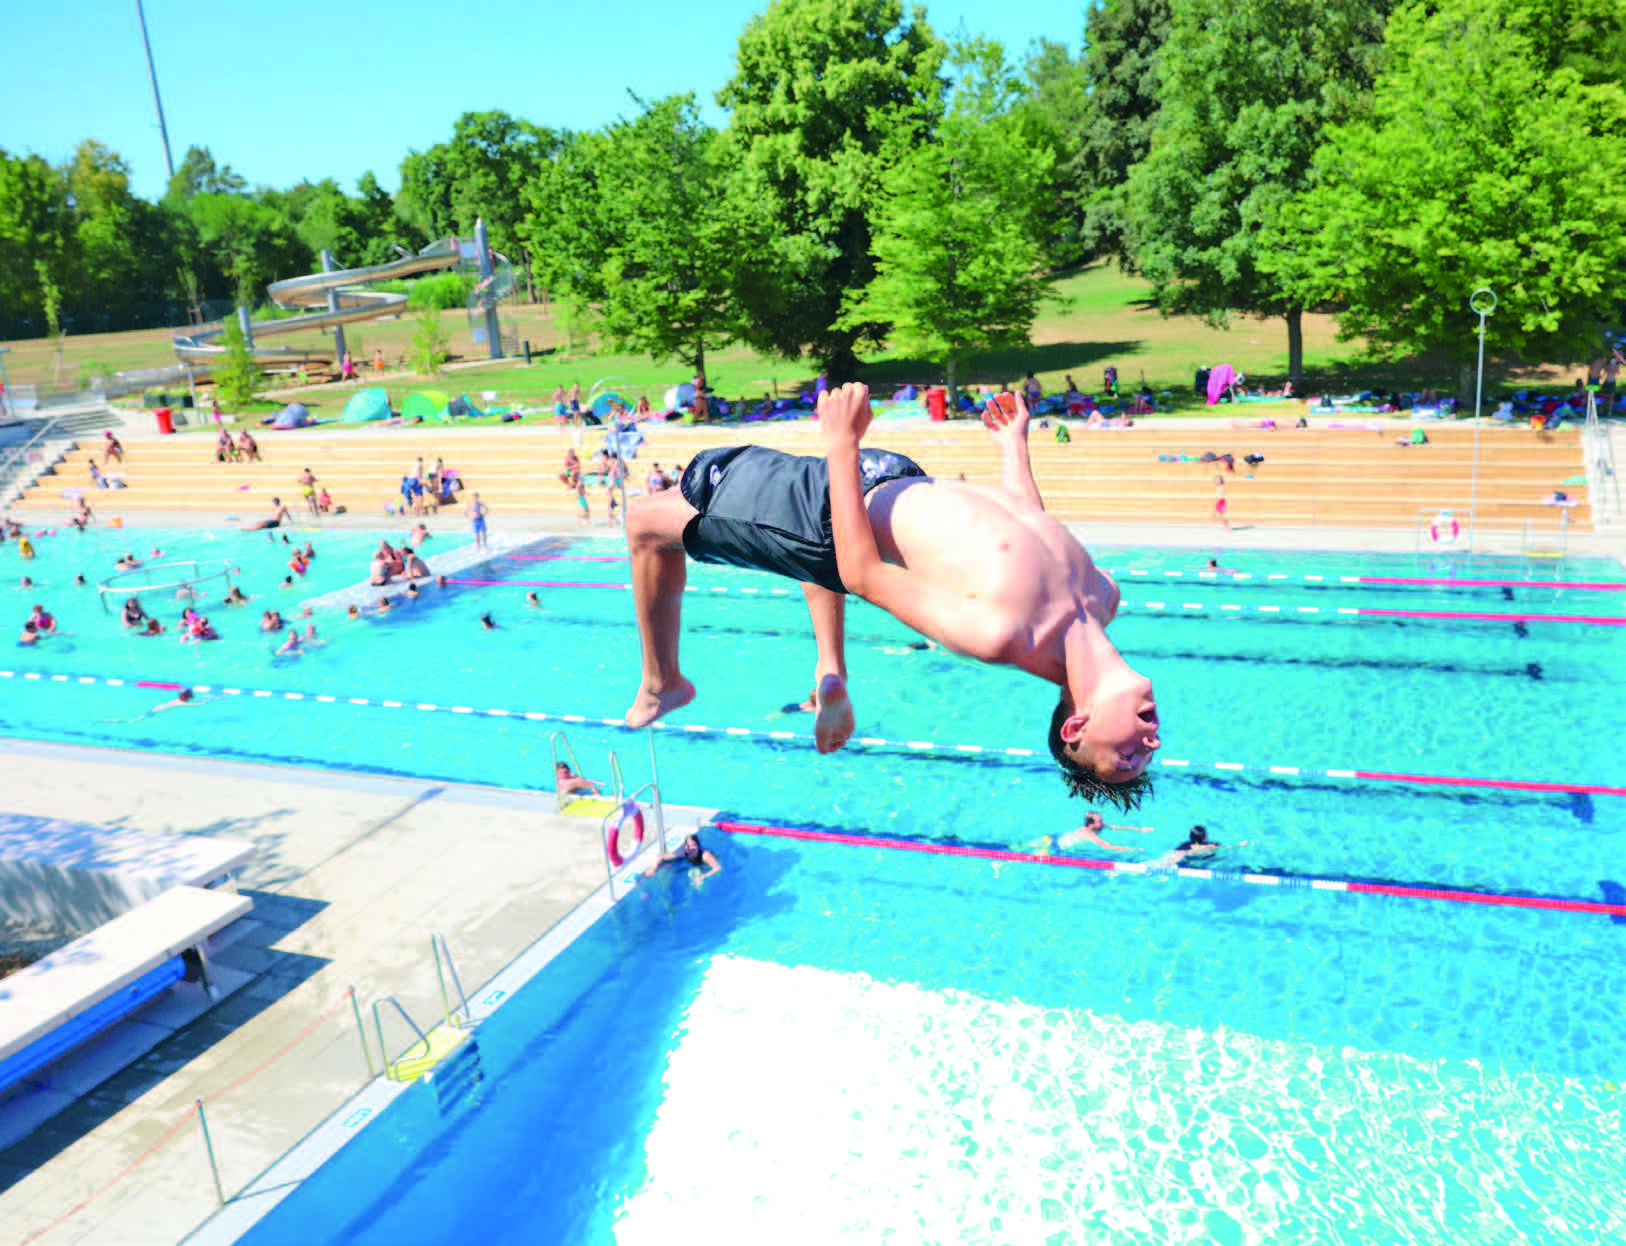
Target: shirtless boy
(1009, 585)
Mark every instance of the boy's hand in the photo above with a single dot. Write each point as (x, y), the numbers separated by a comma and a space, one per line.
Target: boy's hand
(844, 413)
(1006, 419)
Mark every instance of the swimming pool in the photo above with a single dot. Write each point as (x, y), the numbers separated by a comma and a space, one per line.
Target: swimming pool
(947, 1049)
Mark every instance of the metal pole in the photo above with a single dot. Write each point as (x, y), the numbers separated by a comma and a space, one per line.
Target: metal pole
(660, 816)
(330, 265)
(152, 76)
(209, 1146)
(366, 1051)
(1482, 301)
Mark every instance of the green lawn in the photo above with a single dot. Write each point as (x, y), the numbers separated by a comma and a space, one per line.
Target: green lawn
(1099, 317)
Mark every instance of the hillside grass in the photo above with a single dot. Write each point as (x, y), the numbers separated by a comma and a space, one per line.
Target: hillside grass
(1098, 316)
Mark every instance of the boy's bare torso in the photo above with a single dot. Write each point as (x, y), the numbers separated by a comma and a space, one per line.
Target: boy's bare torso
(1021, 575)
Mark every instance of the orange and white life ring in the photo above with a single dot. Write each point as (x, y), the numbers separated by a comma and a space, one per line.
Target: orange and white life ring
(629, 815)
(1444, 530)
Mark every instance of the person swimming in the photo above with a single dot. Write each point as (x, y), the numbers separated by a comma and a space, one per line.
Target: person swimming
(692, 853)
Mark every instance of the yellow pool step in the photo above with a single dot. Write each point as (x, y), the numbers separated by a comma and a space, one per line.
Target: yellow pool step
(589, 807)
(444, 1040)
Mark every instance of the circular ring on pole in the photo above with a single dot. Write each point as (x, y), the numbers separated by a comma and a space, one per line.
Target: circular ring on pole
(1483, 301)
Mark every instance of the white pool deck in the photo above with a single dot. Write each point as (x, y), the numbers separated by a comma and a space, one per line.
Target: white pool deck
(352, 874)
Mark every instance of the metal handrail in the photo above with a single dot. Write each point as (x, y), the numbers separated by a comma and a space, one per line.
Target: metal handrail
(19, 454)
(555, 739)
(378, 1025)
(437, 944)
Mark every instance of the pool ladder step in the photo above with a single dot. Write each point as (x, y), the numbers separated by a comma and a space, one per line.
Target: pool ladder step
(457, 1078)
(437, 1046)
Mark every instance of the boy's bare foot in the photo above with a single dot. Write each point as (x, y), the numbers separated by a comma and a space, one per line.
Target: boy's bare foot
(834, 725)
(649, 705)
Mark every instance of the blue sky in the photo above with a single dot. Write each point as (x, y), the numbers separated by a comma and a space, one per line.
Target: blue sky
(289, 89)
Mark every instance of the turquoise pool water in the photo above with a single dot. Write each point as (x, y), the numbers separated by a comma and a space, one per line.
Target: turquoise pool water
(835, 1044)
(881, 1045)
(1537, 701)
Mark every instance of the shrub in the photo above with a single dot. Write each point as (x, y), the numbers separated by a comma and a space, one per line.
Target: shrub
(429, 343)
(237, 376)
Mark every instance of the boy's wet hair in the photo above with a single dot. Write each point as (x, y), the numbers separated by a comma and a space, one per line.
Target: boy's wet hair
(1082, 780)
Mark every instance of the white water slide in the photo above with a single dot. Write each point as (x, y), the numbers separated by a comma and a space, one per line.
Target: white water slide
(339, 295)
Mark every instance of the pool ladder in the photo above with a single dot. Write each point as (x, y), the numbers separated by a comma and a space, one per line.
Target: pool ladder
(440, 1043)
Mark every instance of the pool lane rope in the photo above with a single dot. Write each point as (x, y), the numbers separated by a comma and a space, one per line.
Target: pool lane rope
(1450, 895)
(1365, 612)
(913, 746)
(1225, 575)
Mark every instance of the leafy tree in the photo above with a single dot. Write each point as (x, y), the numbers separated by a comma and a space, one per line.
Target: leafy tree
(826, 95)
(631, 226)
(1053, 114)
(105, 224)
(957, 235)
(429, 344)
(481, 171)
(51, 302)
(248, 243)
(236, 373)
(1122, 43)
(1489, 160)
(35, 226)
(200, 175)
(1247, 87)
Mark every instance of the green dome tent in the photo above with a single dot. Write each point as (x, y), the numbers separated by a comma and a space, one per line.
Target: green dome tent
(366, 405)
(427, 404)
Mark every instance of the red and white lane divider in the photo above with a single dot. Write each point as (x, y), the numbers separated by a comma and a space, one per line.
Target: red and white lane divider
(1287, 881)
(914, 746)
(1194, 607)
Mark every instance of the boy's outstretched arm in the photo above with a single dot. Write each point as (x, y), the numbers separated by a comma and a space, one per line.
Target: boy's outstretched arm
(1009, 429)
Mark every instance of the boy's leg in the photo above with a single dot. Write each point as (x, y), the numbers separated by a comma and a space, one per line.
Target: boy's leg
(834, 725)
(655, 541)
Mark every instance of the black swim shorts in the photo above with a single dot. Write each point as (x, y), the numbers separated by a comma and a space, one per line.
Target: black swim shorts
(770, 511)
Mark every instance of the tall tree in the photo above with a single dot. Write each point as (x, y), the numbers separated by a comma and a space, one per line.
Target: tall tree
(247, 243)
(1489, 159)
(482, 171)
(199, 174)
(1247, 88)
(105, 224)
(1122, 42)
(35, 224)
(628, 225)
(1053, 114)
(826, 95)
(958, 234)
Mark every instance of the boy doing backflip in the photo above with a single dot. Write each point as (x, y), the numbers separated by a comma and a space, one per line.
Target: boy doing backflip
(982, 570)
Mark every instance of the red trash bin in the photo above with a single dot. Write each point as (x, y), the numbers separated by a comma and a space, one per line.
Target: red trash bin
(166, 420)
(937, 403)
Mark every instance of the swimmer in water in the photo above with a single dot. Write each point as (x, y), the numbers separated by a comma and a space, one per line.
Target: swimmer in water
(488, 623)
(1090, 833)
(182, 698)
(531, 599)
(566, 781)
(693, 854)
